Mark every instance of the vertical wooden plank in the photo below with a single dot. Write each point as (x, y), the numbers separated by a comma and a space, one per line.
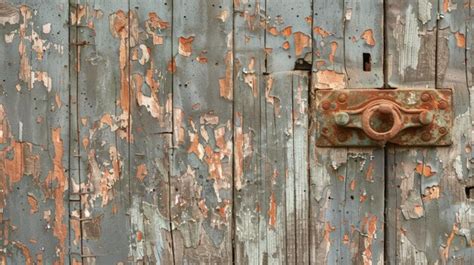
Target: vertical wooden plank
(201, 192)
(34, 132)
(347, 210)
(249, 66)
(427, 201)
(364, 43)
(150, 97)
(288, 47)
(103, 103)
(300, 176)
(411, 30)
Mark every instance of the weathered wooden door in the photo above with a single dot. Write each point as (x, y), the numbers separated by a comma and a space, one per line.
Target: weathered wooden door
(183, 132)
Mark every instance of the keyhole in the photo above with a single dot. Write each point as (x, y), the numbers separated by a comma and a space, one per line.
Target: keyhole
(367, 62)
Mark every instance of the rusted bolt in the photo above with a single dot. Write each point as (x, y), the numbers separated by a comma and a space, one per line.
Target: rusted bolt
(426, 136)
(326, 105)
(443, 130)
(342, 98)
(425, 97)
(426, 117)
(342, 118)
(325, 130)
(442, 104)
(342, 137)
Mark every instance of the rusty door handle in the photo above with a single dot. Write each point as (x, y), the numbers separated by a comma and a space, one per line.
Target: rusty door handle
(381, 120)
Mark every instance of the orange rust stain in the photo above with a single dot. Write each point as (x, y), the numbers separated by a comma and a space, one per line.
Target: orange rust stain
(330, 79)
(368, 36)
(424, 170)
(460, 40)
(272, 211)
(353, 185)
(202, 57)
(59, 229)
(286, 45)
(273, 31)
(76, 227)
(25, 251)
(328, 229)
(321, 32)
(33, 202)
(308, 19)
(203, 208)
(431, 193)
(286, 32)
(345, 239)
(226, 83)
(155, 22)
(445, 251)
(301, 41)
(139, 235)
(333, 51)
(178, 129)
(14, 168)
(151, 103)
(172, 65)
(370, 172)
(239, 151)
(185, 47)
(363, 197)
(446, 5)
(141, 172)
(195, 146)
(223, 209)
(120, 29)
(371, 223)
(341, 177)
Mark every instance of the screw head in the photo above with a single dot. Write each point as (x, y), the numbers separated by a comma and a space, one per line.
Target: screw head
(341, 118)
(443, 130)
(326, 105)
(425, 97)
(442, 104)
(426, 136)
(325, 130)
(342, 98)
(426, 117)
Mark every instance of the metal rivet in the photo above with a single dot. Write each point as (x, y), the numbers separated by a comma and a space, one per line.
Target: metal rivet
(325, 130)
(342, 98)
(425, 97)
(442, 104)
(326, 105)
(341, 118)
(426, 136)
(426, 117)
(443, 130)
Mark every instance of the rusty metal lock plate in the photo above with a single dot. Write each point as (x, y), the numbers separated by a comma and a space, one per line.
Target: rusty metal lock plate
(373, 117)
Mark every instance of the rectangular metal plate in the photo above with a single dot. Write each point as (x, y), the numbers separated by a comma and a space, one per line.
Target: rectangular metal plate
(437, 101)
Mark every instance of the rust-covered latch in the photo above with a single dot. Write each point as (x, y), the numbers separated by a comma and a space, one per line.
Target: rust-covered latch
(371, 117)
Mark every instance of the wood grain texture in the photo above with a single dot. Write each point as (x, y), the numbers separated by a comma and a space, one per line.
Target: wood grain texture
(426, 189)
(151, 131)
(103, 103)
(347, 208)
(34, 132)
(202, 163)
(249, 83)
